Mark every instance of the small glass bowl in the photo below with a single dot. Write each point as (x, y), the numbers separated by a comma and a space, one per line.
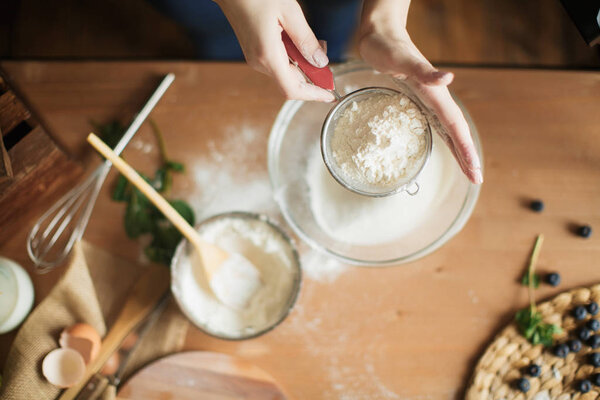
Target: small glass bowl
(408, 184)
(184, 248)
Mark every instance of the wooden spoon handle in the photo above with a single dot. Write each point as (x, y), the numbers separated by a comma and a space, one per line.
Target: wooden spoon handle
(212, 256)
(132, 176)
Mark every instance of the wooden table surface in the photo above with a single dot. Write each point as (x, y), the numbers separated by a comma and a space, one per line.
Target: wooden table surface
(408, 332)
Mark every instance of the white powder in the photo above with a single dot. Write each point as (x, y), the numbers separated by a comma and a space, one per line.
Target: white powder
(235, 281)
(262, 245)
(380, 141)
(320, 267)
(320, 327)
(220, 185)
(141, 145)
(362, 220)
(232, 176)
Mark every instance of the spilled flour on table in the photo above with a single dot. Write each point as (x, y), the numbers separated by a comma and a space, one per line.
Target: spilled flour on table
(320, 267)
(366, 385)
(345, 381)
(472, 296)
(224, 183)
(141, 145)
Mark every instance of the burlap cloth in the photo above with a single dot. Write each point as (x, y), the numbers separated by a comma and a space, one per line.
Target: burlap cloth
(92, 289)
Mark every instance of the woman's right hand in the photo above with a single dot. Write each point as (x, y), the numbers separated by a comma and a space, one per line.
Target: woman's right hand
(258, 25)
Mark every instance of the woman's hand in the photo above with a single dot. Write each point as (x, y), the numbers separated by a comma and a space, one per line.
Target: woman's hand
(385, 44)
(258, 25)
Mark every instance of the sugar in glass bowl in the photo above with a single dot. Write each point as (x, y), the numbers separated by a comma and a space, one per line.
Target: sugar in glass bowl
(356, 229)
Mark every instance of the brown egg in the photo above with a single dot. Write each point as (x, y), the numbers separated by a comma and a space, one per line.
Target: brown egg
(83, 338)
(112, 364)
(63, 367)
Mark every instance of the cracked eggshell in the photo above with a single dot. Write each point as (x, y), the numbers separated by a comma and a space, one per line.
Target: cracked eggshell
(82, 338)
(63, 367)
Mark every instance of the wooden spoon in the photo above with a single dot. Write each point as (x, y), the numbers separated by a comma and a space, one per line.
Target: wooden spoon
(142, 299)
(231, 276)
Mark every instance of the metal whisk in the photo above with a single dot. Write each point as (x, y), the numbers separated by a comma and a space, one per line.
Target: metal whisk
(53, 236)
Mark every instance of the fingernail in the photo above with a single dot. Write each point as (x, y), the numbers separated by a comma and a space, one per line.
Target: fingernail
(328, 98)
(320, 58)
(478, 176)
(323, 44)
(442, 76)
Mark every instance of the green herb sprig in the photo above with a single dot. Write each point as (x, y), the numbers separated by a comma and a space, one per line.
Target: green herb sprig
(535, 280)
(110, 133)
(141, 217)
(529, 320)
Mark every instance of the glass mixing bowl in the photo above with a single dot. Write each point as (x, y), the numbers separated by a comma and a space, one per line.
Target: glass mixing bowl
(293, 143)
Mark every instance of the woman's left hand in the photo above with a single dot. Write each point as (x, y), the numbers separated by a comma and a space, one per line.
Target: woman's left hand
(385, 44)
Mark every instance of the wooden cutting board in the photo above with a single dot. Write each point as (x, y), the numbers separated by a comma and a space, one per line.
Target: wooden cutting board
(201, 375)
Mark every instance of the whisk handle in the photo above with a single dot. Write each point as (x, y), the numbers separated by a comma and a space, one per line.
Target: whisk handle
(144, 112)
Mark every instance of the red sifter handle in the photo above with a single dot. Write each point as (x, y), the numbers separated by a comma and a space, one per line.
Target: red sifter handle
(322, 77)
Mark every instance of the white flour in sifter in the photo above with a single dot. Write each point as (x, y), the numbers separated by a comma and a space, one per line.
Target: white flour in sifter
(270, 253)
(380, 141)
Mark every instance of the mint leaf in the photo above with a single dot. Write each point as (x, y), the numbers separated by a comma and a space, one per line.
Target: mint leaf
(532, 327)
(141, 217)
(162, 180)
(175, 166)
(120, 191)
(110, 133)
(185, 210)
(138, 218)
(529, 321)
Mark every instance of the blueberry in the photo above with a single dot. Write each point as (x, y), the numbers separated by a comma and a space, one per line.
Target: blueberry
(533, 370)
(593, 324)
(595, 379)
(537, 205)
(594, 342)
(592, 308)
(561, 350)
(523, 385)
(584, 334)
(553, 279)
(585, 231)
(574, 345)
(579, 313)
(584, 386)
(595, 359)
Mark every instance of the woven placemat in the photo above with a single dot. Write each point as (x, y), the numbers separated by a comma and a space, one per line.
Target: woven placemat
(503, 361)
